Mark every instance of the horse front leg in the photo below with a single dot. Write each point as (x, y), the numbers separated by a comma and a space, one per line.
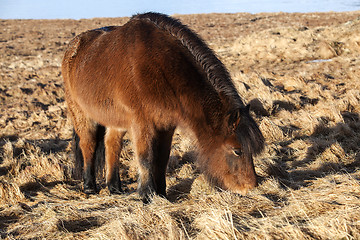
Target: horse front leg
(152, 150)
(146, 187)
(113, 146)
(161, 149)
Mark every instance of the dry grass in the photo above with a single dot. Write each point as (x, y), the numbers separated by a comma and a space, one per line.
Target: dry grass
(307, 108)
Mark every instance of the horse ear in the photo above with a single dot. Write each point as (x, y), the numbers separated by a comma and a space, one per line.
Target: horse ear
(234, 120)
(235, 117)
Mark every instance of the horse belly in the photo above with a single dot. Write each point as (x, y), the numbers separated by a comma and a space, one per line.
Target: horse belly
(117, 117)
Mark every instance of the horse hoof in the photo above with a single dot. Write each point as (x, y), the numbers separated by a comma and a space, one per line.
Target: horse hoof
(90, 187)
(146, 200)
(114, 190)
(89, 191)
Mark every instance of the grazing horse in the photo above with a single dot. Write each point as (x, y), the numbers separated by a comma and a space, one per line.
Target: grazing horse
(147, 77)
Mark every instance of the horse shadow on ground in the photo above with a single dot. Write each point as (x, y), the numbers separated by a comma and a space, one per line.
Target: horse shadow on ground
(346, 134)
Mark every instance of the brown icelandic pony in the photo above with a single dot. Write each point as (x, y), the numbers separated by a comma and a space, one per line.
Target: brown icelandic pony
(147, 77)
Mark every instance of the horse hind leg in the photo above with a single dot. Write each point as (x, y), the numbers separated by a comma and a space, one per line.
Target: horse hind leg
(88, 141)
(113, 146)
(88, 173)
(88, 136)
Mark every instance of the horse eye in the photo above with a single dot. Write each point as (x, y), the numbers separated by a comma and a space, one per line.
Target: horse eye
(237, 152)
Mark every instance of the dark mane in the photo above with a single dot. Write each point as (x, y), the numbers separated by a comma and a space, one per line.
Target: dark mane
(215, 70)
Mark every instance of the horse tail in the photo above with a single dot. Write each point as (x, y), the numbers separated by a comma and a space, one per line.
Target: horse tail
(99, 154)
